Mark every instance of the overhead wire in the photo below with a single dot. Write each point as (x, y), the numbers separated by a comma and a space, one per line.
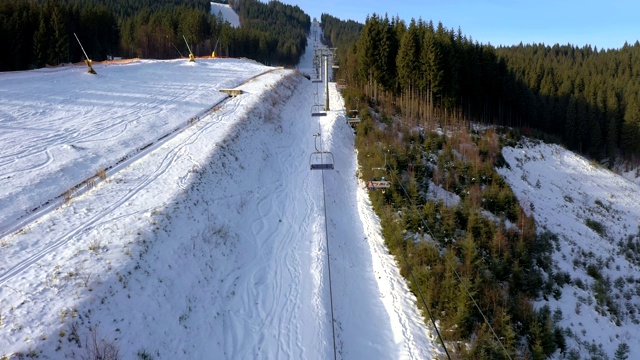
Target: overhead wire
(326, 236)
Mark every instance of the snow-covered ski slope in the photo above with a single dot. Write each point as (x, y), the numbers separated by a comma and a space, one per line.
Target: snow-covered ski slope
(60, 126)
(227, 13)
(209, 244)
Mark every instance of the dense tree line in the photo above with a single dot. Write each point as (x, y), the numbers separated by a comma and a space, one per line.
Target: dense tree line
(41, 32)
(341, 35)
(587, 97)
(429, 74)
(277, 31)
(35, 34)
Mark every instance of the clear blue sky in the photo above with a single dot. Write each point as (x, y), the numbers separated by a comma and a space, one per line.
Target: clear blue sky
(602, 23)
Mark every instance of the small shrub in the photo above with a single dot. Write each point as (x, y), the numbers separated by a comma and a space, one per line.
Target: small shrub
(99, 349)
(594, 271)
(32, 353)
(101, 173)
(622, 352)
(67, 195)
(595, 226)
(96, 244)
(144, 355)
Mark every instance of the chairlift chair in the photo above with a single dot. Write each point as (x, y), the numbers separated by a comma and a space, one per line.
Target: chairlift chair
(353, 117)
(321, 155)
(318, 110)
(381, 184)
(321, 165)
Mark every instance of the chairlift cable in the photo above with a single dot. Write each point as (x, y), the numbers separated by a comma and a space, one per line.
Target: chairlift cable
(326, 236)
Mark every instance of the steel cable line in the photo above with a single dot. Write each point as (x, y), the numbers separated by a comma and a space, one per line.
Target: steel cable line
(326, 236)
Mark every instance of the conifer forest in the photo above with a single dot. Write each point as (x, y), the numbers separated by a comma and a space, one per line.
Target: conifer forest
(41, 33)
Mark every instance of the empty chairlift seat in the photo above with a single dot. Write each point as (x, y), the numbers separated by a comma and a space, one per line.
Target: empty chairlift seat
(321, 160)
(318, 110)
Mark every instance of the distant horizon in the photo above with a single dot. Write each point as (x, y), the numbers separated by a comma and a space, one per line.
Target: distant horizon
(502, 22)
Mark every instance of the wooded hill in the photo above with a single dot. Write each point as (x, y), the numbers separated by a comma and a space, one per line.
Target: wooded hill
(39, 33)
(585, 98)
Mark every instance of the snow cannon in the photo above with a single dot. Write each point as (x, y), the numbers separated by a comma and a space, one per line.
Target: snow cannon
(192, 58)
(87, 60)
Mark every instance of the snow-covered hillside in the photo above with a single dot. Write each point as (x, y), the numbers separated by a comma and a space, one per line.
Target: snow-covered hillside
(226, 12)
(60, 126)
(214, 242)
(596, 216)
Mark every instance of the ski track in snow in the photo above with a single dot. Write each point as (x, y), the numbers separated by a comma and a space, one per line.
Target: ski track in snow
(22, 260)
(67, 129)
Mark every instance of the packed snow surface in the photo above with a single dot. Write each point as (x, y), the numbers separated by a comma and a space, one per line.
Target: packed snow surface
(60, 126)
(208, 238)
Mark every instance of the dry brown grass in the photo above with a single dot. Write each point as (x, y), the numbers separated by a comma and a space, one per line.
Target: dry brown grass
(102, 173)
(67, 196)
(90, 182)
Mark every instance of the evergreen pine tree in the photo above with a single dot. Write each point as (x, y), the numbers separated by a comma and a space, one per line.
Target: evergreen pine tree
(60, 36)
(631, 129)
(622, 352)
(41, 41)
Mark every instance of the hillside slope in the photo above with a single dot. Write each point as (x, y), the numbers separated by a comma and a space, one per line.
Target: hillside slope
(214, 244)
(227, 13)
(595, 215)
